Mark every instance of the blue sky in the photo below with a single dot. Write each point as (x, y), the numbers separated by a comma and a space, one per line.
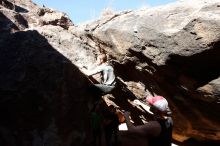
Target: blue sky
(85, 10)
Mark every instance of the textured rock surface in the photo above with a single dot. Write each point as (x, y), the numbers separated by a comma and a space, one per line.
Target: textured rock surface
(172, 50)
(41, 90)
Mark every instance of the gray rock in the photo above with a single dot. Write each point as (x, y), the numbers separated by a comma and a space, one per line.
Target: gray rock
(171, 50)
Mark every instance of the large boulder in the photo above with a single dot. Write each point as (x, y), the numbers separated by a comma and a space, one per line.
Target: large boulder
(43, 94)
(171, 50)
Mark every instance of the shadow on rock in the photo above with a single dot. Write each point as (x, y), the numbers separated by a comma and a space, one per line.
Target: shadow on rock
(43, 101)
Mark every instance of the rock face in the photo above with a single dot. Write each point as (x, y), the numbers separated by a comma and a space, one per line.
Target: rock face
(172, 50)
(43, 99)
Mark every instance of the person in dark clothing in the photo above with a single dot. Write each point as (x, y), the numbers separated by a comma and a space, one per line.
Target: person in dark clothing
(165, 137)
(97, 120)
(104, 124)
(111, 127)
(159, 131)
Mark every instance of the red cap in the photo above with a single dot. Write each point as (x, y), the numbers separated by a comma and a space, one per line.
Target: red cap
(159, 102)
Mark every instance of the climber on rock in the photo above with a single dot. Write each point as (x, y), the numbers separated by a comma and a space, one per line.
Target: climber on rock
(107, 75)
